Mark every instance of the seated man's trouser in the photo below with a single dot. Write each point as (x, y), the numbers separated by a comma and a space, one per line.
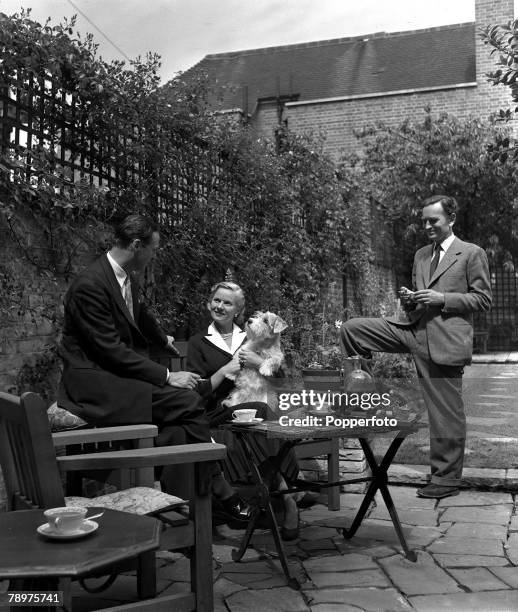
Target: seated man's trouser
(441, 385)
(180, 417)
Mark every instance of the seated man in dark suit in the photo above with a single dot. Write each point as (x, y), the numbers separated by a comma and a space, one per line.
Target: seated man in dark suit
(108, 377)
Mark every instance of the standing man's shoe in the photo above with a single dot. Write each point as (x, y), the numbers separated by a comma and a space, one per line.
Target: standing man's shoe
(437, 491)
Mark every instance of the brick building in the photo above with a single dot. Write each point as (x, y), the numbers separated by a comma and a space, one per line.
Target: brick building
(336, 86)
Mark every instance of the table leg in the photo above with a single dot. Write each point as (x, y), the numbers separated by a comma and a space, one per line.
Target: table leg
(146, 575)
(264, 504)
(237, 553)
(379, 481)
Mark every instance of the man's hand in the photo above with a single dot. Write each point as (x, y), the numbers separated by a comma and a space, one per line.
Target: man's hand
(406, 296)
(183, 380)
(429, 297)
(249, 359)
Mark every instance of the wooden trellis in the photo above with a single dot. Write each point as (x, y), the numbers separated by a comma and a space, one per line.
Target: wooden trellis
(35, 112)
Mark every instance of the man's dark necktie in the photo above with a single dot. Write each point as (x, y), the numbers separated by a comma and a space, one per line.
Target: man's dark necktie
(128, 298)
(435, 260)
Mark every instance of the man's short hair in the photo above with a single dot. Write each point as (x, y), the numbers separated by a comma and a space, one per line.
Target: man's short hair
(133, 227)
(449, 204)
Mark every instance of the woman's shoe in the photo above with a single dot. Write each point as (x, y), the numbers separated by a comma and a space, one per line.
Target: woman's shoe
(234, 508)
(288, 535)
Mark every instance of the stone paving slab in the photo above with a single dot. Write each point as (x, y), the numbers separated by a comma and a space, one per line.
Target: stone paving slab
(224, 587)
(334, 608)
(312, 546)
(494, 515)
(370, 600)
(476, 498)
(317, 532)
(512, 548)
(509, 575)
(474, 546)
(412, 516)
(374, 529)
(461, 560)
(420, 577)
(492, 601)
(222, 553)
(373, 549)
(365, 578)
(476, 530)
(478, 579)
(251, 579)
(343, 563)
(405, 497)
(266, 600)
(248, 567)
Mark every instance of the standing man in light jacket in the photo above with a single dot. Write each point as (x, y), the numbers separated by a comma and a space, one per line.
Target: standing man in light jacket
(450, 281)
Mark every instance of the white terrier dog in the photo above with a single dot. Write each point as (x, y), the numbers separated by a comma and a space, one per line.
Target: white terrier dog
(262, 331)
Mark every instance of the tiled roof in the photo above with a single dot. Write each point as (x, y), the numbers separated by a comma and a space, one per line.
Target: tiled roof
(369, 64)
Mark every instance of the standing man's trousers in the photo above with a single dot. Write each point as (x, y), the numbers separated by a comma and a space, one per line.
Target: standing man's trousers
(441, 385)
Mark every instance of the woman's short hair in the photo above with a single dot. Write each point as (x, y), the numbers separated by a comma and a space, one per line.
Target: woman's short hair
(238, 292)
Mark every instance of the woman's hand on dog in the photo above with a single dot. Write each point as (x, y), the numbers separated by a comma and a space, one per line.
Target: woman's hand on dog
(249, 359)
(231, 368)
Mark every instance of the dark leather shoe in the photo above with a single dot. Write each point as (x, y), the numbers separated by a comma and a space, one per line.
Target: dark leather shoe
(436, 491)
(236, 508)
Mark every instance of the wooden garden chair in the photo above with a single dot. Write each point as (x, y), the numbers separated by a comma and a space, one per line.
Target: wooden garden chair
(32, 475)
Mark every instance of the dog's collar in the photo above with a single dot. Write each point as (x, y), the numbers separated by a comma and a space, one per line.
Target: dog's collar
(214, 337)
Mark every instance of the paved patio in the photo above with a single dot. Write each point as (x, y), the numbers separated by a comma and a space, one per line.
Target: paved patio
(467, 550)
(467, 560)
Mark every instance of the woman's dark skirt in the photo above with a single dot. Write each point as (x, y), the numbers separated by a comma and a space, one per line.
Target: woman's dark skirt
(235, 465)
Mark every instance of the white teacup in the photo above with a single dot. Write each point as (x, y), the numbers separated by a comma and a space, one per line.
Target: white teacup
(66, 519)
(244, 414)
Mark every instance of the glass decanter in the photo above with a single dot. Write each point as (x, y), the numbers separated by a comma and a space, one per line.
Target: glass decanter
(359, 382)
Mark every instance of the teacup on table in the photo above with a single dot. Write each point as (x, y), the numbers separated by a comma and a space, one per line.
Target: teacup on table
(245, 415)
(66, 519)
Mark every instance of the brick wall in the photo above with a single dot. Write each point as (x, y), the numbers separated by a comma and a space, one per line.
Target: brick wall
(337, 120)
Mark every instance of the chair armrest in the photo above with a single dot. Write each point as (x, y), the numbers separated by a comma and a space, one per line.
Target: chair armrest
(144, 457)
(104, 434)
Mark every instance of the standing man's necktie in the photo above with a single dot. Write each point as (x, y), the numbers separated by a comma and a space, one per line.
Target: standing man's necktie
(126, 293)
(435, 260)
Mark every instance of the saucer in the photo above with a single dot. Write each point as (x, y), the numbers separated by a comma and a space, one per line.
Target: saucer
(254, 421)
(86, 528)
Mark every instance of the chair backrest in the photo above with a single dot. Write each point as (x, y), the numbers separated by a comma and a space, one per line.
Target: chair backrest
(27, 454)
(165, 357)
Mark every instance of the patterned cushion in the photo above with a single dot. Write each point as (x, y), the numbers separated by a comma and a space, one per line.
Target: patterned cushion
(60, 419)
(138, 500)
